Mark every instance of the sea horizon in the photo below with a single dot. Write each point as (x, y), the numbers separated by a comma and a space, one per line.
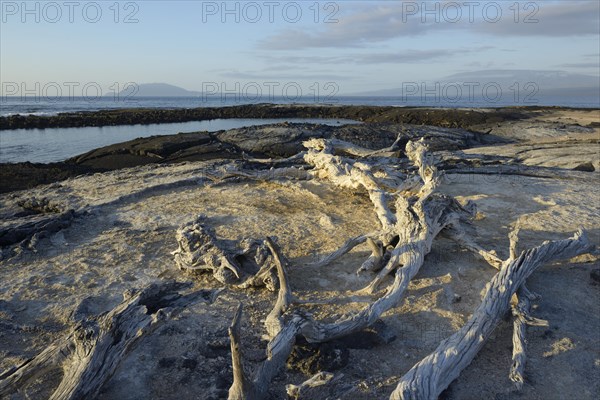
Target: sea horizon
(46, 106)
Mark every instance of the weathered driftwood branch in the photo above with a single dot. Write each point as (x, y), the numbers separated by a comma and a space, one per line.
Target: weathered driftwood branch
(91, 353)
(428, 378)
(319, 379)
(274, 322)
(405, 238)
(342, 147)
(345, 174)
(345, 248)
(283, 338)
(522, 318)
(270, 174)
(466, 241)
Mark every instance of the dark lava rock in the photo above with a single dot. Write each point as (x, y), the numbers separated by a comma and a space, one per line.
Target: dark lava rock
(279, 140)
(595, 275)
(310, 358)
(586, 167)
(167, 362)
(447, 118)
(189, 363)
(19, 176)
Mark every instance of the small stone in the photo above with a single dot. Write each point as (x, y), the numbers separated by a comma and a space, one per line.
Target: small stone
(456, 298)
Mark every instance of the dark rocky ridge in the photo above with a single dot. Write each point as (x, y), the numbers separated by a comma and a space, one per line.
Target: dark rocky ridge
(278, 140)
(449, 118)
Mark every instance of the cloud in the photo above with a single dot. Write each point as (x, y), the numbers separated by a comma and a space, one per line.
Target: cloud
(366, 25)
(379, 23)
(544, 79)
(581, 65)
(254, 75)
(399, 57)
(564, 19)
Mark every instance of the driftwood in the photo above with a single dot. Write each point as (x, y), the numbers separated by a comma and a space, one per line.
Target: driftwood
(411, 214)
(406, 235)
(319, 379)
(91, 353)
(200, 250)
(405, 238)
(282, 335)
(428, 378)
(28, 230)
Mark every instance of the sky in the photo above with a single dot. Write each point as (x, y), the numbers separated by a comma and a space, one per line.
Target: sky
(345, 47)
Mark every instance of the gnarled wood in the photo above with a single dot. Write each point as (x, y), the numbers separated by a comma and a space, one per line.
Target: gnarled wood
(428, 378)
(411, 216)
(283, 338)
(319, 379)
(200, 250)
(91, 353)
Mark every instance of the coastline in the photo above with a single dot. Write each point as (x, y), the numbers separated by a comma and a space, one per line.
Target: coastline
(202, 146)
(446, 117)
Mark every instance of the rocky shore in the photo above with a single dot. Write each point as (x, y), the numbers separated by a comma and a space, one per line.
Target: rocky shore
(280, 140)
(449, 118)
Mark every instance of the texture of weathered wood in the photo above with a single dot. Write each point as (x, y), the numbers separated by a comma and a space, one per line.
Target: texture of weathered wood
(466, 241)
(298, 391)
(342, 147)
(283, 338)
(344, 249)
(34, 227)
(428, 378)
(199, 249)
(418, 219)
(91, 353)
(373, 263)
(274, 322)
(411, 216)
(522, 318)
(345, 174)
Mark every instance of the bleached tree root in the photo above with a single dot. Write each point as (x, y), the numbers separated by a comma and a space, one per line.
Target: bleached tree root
(411, 214)
(298, 391)
(200, 250)
(91, 353)
(522, 318)
(428, 378)
(282, 334)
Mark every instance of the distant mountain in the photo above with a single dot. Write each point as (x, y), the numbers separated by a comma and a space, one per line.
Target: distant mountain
(549, 82)
(156, 90)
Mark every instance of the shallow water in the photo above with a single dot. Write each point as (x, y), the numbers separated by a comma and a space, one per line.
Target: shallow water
(57, 144)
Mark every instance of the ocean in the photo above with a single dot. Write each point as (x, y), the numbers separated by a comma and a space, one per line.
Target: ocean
(57, 144)
(39, 105)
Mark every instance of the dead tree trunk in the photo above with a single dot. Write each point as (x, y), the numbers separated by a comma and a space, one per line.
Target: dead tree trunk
(93, 350)
(412, 214)
(428, 378)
